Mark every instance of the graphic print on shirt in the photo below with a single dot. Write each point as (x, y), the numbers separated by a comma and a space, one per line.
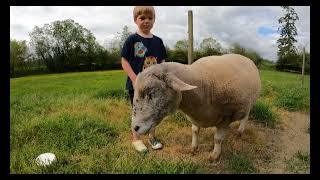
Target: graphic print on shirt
(149, 61)
(139, 49)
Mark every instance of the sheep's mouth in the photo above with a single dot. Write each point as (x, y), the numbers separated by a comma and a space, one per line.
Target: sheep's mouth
(144, 130)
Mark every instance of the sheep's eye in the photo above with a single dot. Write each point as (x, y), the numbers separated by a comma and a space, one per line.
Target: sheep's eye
(147, 96)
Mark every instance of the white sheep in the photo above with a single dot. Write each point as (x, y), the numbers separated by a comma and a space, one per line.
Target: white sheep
(213, 91)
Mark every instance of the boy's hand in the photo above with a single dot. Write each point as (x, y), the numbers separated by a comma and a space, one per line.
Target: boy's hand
(127, 68)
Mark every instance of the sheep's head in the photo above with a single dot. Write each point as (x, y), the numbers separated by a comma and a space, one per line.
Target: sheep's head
(157, 94)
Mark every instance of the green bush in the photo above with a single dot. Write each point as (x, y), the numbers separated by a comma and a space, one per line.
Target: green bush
(262, 112)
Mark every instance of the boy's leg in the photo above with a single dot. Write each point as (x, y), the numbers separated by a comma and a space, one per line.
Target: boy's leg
(131, 94)
(136, 141)
(153, 141)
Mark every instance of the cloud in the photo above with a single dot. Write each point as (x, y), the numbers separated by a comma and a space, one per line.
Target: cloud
(227, 24)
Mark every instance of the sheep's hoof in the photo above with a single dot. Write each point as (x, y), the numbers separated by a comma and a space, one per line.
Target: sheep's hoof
(214, 163)
(214, 157)
(194, 150)
(240, 132)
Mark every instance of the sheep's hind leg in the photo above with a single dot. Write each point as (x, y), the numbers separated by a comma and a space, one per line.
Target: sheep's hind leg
(195, 137)
(218, 138)
(243, 123)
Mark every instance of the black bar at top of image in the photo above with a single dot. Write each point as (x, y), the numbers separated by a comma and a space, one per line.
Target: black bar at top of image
(159, 2)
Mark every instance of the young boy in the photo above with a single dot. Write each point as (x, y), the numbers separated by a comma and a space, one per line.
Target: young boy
(141, 50)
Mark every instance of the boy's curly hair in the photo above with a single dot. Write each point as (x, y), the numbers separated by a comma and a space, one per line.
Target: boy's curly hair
(147, 10)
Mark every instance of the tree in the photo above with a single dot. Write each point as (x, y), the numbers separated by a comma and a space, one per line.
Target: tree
(180, 53)
(290, 62)
(210, 46)
(63, 45)
(116, 45)
(307, 62)
(236, 48)
(181, 45)
(254, 56)
(288, 31)
(117, 42)
(18, 54)
(124, 35)
(41, 44)
(169, 53)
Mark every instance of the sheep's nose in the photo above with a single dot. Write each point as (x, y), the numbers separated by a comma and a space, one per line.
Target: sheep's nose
(136, 128)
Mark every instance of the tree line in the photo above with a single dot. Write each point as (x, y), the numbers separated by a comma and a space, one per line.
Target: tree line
(67, 46)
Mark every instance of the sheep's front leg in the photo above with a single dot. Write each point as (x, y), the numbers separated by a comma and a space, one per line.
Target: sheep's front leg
(218, 137)
(195, 136)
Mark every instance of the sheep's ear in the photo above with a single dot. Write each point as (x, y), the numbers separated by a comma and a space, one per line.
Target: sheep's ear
(135, 83)
(177, 83)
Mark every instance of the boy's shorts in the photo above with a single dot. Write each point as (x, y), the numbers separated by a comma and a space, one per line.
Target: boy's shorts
(131, 93)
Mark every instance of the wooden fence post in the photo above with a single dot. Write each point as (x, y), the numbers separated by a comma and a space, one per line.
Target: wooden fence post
(303, 59)
(190, 32)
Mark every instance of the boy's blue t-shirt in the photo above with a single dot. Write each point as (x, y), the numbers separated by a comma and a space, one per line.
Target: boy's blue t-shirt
(141, 53)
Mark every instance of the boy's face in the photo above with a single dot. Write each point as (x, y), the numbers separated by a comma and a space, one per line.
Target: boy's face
(145, 22)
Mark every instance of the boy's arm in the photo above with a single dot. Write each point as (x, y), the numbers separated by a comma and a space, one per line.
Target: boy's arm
(128, 69)
(164, 51)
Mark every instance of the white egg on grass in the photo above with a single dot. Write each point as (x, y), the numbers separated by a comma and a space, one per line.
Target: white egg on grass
(45, 159)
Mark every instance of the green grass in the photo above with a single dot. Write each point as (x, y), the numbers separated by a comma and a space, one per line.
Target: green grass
(140, 164)
(68, 84)
(117, 93)
(180, 118)
(65, 135)
(294, 98)
(299, 163)
(286, 90)
(263, 112)
(240, 163)
(84, 119)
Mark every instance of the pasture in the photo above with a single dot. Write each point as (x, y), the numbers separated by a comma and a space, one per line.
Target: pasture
(84, 119)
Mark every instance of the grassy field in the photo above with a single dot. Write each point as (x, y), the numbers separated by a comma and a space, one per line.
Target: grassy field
(84, 119)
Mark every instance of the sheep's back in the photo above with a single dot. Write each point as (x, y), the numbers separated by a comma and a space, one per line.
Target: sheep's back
(229, 78)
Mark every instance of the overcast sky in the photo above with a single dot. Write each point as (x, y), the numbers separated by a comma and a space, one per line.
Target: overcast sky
(253, 27)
